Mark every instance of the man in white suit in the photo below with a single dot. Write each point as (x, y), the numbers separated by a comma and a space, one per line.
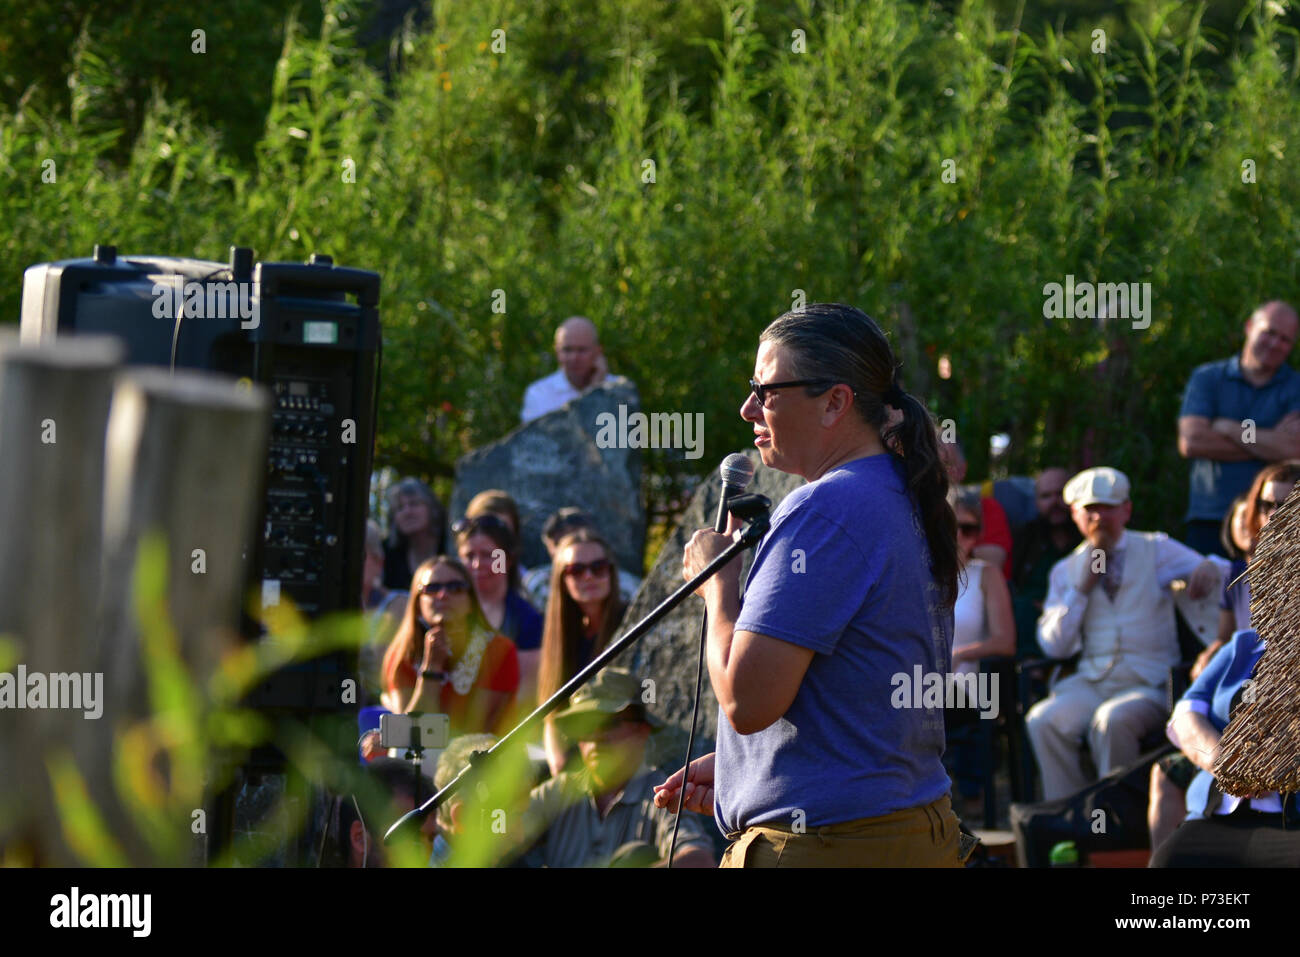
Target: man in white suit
(1110, 600)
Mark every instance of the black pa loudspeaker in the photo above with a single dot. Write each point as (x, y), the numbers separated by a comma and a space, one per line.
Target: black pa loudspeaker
(307, 332)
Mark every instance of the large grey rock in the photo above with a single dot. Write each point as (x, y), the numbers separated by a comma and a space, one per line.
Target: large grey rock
(553, 462)
(669, 654)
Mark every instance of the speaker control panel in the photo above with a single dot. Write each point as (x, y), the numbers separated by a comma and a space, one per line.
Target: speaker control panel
(302, 519)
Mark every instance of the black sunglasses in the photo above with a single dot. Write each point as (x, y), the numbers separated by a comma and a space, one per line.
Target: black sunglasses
(451, 588)
(464, 526)
(968, 528)
(761, 390)
(599, 567)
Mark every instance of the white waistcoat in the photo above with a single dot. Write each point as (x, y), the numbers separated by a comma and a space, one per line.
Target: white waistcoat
(1138, 629)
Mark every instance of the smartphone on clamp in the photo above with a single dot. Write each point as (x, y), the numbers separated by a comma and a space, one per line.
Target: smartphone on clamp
(430, 732)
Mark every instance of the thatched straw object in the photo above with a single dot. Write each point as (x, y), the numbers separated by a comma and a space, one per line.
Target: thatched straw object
(1260, 748)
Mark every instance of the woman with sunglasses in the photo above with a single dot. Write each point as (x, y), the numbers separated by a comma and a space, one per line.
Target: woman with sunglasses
(1269, 490)
(983, 627)
(821, 758)
(582, 614)
(1246, 516)
(445, 658)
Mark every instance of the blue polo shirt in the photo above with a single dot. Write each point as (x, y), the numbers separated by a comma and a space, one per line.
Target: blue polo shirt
(1219, 390)
(843, 571)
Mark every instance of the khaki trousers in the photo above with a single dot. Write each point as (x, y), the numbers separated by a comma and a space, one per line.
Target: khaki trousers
(924, 836)
(1113, 714)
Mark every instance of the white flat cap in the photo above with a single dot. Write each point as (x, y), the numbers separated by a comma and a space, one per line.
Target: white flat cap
(1099, 486)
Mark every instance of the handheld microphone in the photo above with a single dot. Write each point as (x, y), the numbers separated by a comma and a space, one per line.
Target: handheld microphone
(737, 472)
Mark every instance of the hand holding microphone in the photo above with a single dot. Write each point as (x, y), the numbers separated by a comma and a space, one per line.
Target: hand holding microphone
(737, 472)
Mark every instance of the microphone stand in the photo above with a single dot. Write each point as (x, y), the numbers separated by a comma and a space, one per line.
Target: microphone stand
(750, 508)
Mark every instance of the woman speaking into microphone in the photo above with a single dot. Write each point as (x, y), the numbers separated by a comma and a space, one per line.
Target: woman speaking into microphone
(824, 756)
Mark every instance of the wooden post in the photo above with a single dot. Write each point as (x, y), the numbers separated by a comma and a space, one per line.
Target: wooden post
(185, 458)
(54, 403)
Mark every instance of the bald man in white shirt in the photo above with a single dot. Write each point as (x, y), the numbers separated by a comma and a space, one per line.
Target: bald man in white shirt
(582, 365)
(1110, 600)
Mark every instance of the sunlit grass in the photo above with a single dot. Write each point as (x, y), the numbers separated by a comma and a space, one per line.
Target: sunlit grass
(166, 766)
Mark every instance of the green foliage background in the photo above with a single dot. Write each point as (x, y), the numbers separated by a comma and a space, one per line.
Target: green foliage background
(774, 171)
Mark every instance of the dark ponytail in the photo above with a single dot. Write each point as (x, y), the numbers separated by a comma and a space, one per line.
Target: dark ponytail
(927, 480)
(839, 343)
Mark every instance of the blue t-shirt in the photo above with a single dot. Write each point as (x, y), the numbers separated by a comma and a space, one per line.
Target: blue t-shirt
(1219, 390)
(844, 570)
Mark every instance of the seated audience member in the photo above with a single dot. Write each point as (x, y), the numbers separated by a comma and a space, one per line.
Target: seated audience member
(486, 830)
(496, 502)
(1234, 599)
(415, 518)
(582, 616)
(1269, 490)
(1016, 494)
(982, 629)
(374, 596)
(445, 658)
(1039, 545)
(582, 365)
(994, 545)
(605, 815)
(537, 583)
(1109, 601)
(489, 550)
(1222, 830)
(1170, 776)
(983, 626)
(360, 818)
(383, 609)
(451, 814)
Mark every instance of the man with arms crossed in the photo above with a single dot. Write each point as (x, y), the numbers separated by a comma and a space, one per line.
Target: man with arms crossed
(1238, 414)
